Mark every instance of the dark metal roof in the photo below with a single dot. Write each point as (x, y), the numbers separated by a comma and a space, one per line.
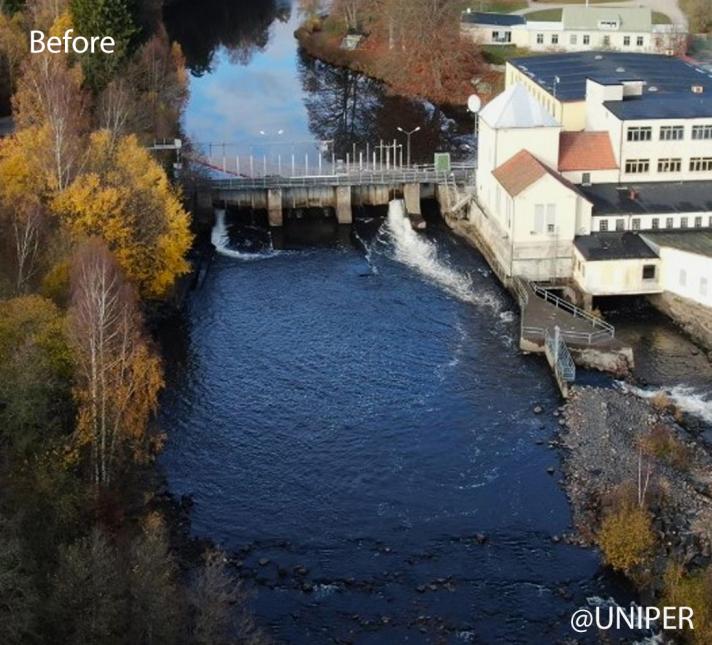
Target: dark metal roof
(672, 77)
(698, 242)
(650, 198)
(494, 19)
(613, 246)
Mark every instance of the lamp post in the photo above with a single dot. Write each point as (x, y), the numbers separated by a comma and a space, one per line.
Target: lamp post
(408, 136)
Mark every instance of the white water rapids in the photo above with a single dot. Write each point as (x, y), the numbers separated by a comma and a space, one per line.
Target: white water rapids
(221, 241)
(688, 399)
(421, 254)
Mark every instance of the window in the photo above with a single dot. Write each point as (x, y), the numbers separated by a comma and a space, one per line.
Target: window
(656, 223)
(540, 39)
(683, 278)
(554, 39)
(703, 286)
(700, 164)
(700, 132)
(637, 166)
(603, 226)
(709, 223)
(683, 222)
(586, 179)
(636, 223)
(551, 218)
(649, 272)
(620, 225)
(640, 134)
(698, 222)
(668, 222)
(573, 39)
(640, 41)
(669, 165)
(539, 218)
(606, 41)
(586, 39)
(672, 133)
(626, 41)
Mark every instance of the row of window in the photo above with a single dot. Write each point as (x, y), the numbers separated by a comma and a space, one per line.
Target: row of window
(666, 165)
(586, 40)
(635, 223)
(669, 133)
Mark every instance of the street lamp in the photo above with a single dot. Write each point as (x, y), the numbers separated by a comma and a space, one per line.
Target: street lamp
(408, 135)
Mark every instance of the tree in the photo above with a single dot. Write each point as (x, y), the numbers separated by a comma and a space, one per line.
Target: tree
(49, 96)
(118, 375)
(114, 18)
(18, 598)
(35, 372)
(125, 197)
(219, 606)
(13, 48)
(88, 593)
(46, 13)
(155, 599)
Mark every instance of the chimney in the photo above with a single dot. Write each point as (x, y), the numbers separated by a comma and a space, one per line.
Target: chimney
(632, 194)
(698, 89)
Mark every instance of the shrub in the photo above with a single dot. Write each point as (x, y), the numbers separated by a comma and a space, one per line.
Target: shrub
(663, 444)
(694, 590)
(626, 537)
(661, 402)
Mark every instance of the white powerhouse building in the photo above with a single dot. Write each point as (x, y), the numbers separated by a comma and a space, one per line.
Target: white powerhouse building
(621, 204)
(578, 28)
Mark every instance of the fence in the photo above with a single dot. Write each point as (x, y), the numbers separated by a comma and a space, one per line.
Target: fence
(559, 356)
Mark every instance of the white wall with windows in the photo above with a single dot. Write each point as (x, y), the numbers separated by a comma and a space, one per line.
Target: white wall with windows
(652, 222)
(686, 274)
(617, 277)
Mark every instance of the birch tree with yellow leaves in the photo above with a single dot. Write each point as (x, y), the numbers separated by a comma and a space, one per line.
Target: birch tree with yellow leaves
(124, 197)
(118, 375)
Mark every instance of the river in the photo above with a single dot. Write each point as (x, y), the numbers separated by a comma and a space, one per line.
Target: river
(350, 412)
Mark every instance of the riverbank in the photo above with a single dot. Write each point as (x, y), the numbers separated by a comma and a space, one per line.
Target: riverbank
(390, 67)
(627, 458)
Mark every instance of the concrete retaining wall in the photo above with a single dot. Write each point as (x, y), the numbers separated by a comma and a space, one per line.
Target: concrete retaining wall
(694, 318)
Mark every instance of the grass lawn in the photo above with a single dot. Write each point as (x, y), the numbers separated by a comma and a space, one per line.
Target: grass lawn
(661, 18)
(544, 15)
(500, 54)
(495, 6)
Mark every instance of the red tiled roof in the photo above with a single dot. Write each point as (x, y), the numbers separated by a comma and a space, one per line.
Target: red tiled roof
(523, 170)
(586, 151)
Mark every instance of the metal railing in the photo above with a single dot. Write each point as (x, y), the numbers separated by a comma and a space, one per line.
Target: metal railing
(350, 176)
(560, 356)
(575, 311)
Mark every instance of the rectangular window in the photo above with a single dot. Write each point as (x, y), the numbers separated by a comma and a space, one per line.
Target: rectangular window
(554, 39)
(700, 164)
(703, 286)
(709, 223)
(620, 225)
(683, 222)
(573, 39)
(668, 222)
(540, 39)
(636, 223)
(586, 39)
(683, 278)
(626, 41)
(656, 223)
(672, 133)
(606, 41)
(649, 272)
(700, 132)
(698, 222)
(640, 134)
(669, 165)
(539, 218)
(586, 179)
(551, 218)
(603, 226)
(637, 166)
(640, 41)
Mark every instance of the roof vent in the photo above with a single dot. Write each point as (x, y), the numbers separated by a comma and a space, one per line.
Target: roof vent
(598, 57)
(653, 88)
(697, 89)
(620, 70)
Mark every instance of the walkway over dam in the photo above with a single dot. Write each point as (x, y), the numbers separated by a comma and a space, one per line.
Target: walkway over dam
(340, 188)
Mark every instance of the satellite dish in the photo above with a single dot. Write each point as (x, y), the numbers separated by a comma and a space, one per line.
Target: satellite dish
(474, 103)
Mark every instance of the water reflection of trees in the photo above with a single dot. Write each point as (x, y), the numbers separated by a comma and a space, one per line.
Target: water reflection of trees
(351, 109)
(203, 27)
